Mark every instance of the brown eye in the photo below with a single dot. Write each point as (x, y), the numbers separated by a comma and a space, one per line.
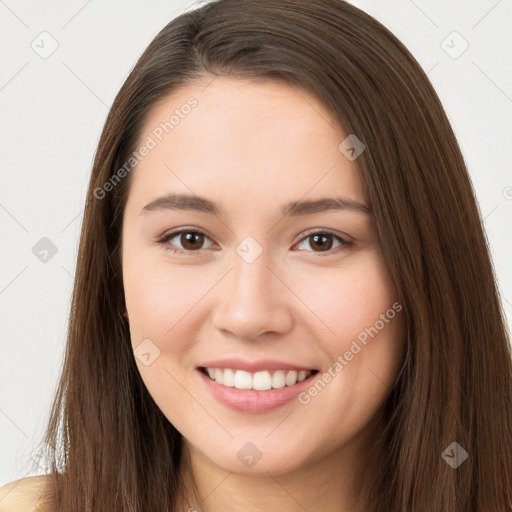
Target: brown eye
(184, 240)
(191, 240)
(323, 242)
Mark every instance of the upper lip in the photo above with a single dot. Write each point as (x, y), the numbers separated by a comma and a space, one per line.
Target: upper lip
(253, 366)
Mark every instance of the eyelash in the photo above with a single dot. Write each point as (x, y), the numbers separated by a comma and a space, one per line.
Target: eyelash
(169, 236)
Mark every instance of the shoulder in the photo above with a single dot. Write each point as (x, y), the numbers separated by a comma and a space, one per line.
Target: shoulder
(26, 494)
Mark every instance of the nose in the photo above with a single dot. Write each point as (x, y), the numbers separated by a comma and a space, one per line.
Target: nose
(253, 300)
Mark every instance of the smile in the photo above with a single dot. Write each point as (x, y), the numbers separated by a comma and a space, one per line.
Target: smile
(254, 392)
(258, 381)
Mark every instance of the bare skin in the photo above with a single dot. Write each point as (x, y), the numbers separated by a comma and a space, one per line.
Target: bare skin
(251, 147)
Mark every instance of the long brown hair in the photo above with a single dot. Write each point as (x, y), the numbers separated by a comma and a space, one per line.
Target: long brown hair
(112, 449)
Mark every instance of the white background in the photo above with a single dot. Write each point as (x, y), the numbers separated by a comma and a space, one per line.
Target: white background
(52, 113)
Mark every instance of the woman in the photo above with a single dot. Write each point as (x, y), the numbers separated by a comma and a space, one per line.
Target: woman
(284, 299)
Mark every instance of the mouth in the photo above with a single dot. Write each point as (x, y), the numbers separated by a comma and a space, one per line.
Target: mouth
(258, 391)
(255, 386)
(263, 380)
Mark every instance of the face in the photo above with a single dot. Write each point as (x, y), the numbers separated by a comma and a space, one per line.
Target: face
(249, 281)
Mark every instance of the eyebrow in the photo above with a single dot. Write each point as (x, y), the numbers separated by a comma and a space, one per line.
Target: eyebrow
(203, 205)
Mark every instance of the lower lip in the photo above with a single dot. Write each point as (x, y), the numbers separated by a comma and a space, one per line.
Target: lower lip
(249, 400)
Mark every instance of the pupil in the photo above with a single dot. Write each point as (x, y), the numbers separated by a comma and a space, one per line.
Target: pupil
(324, 247)
(189, 239)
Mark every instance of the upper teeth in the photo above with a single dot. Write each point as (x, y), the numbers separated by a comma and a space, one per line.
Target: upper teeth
(259, 381)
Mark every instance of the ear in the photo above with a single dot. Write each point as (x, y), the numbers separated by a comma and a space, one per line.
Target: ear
(124, 311)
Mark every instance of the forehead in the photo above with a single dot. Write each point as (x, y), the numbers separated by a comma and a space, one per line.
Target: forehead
(245, 136)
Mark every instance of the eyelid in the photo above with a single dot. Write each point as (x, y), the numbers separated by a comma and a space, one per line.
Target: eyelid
(326, 231)
(178, 231)
(345, 241)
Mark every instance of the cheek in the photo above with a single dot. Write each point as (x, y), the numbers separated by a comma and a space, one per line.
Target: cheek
(160, 301)
(361, 331)
(159, 295)
(348, 299)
